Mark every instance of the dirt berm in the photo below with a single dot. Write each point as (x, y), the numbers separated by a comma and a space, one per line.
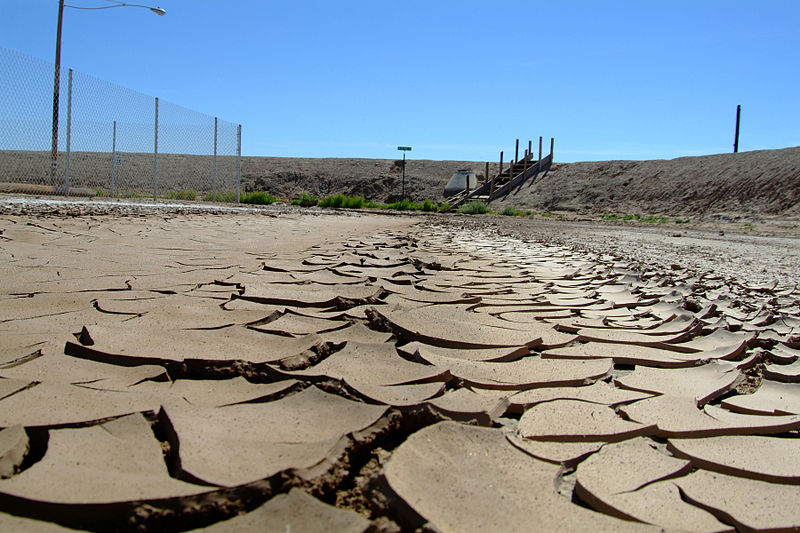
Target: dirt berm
(757, 183)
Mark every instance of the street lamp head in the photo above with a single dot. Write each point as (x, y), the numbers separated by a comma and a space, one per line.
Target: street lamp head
(158, 11)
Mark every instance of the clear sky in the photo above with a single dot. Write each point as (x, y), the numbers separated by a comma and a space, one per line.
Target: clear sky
(636, 79)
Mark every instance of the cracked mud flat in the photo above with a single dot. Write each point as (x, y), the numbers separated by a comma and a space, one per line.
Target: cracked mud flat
(170, 370)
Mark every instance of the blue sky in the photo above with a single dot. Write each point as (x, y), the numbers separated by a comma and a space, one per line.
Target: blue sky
(454, 80)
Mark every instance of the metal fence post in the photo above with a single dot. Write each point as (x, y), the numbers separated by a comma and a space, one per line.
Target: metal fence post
(214, 197)
(155, 157)
(113, 156)
(69, 132)
(239, 164)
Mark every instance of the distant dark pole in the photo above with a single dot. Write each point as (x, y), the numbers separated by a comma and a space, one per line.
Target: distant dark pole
(404, 175)
(736, 137)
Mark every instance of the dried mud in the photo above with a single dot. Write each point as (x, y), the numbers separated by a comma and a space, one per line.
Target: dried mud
(172, 369)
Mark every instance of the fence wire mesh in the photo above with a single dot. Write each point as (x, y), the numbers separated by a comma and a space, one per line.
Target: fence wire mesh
(112, 141)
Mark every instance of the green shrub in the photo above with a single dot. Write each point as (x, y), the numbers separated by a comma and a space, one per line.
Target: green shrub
(475, 207)
(344, 202)
(258, 198)
(682, 220)
(187, 195)
(402, 205)
(444, 207)
(428, 206)
(546, 215)
(306, 200)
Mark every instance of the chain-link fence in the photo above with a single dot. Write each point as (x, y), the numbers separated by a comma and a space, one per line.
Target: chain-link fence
(111, 141)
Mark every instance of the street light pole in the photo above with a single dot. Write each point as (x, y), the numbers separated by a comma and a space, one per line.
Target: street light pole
(56, 83)
(57, 71)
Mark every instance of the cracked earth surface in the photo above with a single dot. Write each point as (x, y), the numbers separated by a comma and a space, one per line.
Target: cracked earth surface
(169, 370)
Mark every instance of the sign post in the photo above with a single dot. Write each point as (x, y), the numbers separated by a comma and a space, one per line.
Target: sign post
(404, 149)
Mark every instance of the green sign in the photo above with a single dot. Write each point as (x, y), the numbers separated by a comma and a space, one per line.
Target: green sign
(404, 148)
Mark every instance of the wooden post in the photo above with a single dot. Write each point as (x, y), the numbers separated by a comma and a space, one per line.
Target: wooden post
(736, 136)
(552, 141)
(516, 152)
(500, 168)
(525, 163)
(540, 152)
(530, 151)
(486, 174)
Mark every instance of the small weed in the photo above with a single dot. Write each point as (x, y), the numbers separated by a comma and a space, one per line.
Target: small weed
(748, 226)
(100, 193)
(546, 215)
(475, 207)
(444, 207)
(258, 198)
(186, 195)
(682, 220)
(611, 216)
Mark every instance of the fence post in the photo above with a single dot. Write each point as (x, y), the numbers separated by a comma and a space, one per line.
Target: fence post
(214, 194)
(486, 175)
(69, 132)
(113, 156)
(540, 152)
(239, 164)
(552, 142)
(155, 156)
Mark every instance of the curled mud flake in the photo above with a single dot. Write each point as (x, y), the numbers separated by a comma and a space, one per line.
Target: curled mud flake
(747, 504)
(433, 475)
(630, 480)
(702, 384)
(754, 457)
(84, 337)
(680, 417)
(769, 398)
(13, 449)
(577, 421)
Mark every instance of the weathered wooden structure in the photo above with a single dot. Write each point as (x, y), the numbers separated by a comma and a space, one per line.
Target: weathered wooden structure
(519, 171)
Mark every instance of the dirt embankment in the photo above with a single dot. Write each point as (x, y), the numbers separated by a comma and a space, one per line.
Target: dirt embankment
(758, 183)
(754, 184)
(765, 182)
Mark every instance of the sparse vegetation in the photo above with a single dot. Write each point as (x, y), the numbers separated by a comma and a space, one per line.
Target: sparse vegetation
(475, 207)
(187, 195)
(512, 212)
(228, 197)
(258, 198)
